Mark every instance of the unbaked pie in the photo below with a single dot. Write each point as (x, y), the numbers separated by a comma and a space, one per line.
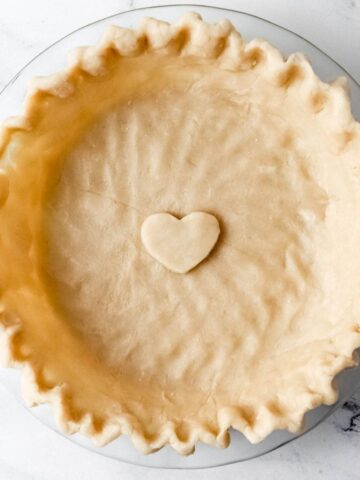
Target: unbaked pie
(179, 237)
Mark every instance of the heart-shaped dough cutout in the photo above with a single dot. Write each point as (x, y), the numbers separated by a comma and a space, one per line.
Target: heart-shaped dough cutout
(180, 244)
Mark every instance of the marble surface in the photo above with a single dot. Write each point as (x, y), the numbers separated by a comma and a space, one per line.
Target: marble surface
(30, 451)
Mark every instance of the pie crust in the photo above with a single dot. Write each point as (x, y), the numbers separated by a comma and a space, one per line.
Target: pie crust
(177, 119)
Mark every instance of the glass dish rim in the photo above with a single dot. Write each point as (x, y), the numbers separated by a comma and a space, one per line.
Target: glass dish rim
(333, 407)
(190, 5)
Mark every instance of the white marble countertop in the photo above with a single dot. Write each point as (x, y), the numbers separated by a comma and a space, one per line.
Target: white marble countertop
(30, 451)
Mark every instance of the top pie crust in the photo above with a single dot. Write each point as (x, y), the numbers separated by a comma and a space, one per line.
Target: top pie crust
(180, 118)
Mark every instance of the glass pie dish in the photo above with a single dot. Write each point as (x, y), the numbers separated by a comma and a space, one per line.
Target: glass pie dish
(51, 60)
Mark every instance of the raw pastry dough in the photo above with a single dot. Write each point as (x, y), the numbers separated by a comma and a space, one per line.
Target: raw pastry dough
(180, 118)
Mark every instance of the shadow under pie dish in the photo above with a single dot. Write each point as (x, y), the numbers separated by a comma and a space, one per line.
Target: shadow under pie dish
(180, 119)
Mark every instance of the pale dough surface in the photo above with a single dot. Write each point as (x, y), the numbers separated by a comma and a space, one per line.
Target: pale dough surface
(177, 152)
(187, 120)
(239, 315)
